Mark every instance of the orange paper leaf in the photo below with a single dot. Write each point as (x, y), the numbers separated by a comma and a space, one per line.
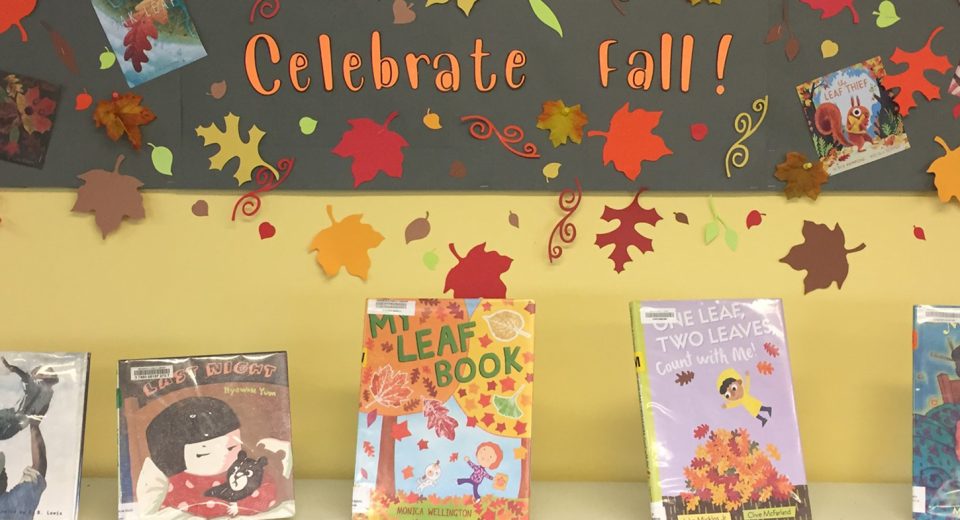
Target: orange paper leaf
(630, 140)
(947, 171)
(913, 80)
(345, 244)
(123, 115)
(564, 123)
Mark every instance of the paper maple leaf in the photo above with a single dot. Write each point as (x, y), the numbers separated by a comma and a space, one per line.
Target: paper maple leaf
(831, 8)
(389, 387)
(111, 196)
(13, 13)
(803, 177)
(913, 80)
(630, 140)
(947, 172)
(626, 235)
(123, 115)
(140, 29)
(477, 275)
(374, 148)
(346, 244)
(465, 5)
(564, 123)
(232, 146)
(823, 254)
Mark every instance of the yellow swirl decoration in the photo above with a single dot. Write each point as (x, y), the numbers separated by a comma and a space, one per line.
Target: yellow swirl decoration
(739, 155)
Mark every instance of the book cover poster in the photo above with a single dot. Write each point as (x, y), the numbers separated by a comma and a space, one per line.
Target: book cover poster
(28, 109)
(205, 437)
(936, 412)
(149, 37)
(445, 410)
(852, 118)
(719, 418)
(42, 405)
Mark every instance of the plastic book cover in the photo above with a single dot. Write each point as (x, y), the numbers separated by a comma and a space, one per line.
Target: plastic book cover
(43, 399)
(149, 37)
(445, 410)
(955, 82)
(936, 412)
(205, 437)
(720, 425)
(852, 118)
(28, 109)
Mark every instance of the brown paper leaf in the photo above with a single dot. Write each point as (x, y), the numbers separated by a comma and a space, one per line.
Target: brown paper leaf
(111, 196)
(418, 229)
(458, 170)
(514, 220)
(775, 33)
(792, 48)
(823, 254)
(218, 89)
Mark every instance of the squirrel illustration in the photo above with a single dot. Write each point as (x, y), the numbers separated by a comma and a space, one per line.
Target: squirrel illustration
(830, 122)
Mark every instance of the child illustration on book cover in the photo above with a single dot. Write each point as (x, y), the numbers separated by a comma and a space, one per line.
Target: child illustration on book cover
(736, 393)
(446, 411)
(852, 118)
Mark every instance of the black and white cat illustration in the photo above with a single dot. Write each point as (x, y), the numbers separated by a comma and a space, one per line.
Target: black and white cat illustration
(243, 478)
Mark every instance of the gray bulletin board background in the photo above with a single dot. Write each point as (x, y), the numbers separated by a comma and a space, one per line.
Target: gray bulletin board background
(557, 68)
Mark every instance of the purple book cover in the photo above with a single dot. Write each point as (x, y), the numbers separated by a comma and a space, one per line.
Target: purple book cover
(720, 424)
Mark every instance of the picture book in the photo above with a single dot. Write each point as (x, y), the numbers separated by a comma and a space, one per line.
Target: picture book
(205, 437)
(445, 410)
(720, 426)
(28, 108)
(852, 118)
(149, 37)
(43, 400)
(936, 412)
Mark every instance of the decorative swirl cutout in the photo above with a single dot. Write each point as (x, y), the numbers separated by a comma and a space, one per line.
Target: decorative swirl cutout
(739, 154)
(250, 203)
(481, 128)
(565, 230)
(267, 9)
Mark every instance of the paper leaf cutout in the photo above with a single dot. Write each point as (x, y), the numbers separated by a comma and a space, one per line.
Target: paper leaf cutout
(465, 5)
(919, 233)
(83, 101)
(123, 115)
(458, 170)
(13, 13)
(823, 254)
(162, 158)
(266, 230)
(417, 229)
(477, 275)
(374, 148)
(913, 80)
(514, 220)
(505, 325)
(754, 219)
(630, 140)
(626, 235)
(431, 120)
(140, 28)
(232, 146)
(200, 208)
(712, 230)
(546, 15)
(62, 47)
(218, 90)
(564, 123)
(431, 260)
(403, 12)
(803, 177)
(947, 172)
(111, 196)
(886, 14)
(346, 244)
(831, 8)
(389, 388)
(107, 59)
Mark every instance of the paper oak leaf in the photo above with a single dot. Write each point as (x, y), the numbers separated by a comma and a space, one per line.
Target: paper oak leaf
(564, 123)
(389, 387)
(803, 177)
(626, 235)
(111, 196)
(477, 275)
(831, 8)
(346, 244)
(374, 148)
(232, 147)
(913, 80)
(123, 115)
(630, 140)
(13, 13)
(823, 254)
(947, 172)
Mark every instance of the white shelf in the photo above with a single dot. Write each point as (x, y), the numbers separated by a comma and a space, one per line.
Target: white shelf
(330, 500)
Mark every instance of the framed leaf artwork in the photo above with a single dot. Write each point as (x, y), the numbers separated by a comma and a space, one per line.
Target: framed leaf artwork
(28, 107)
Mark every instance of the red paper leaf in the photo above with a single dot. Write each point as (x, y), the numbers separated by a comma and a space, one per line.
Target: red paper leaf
(765, 368)
(62, 47)
(477, 275)
(831, 8)
(772, 350)
(913, 80)
(390, 387)
(626, 235)
(13, 13)
(140, 29)
(919, 233)
(823, 255)
(630, 140)
(754, 218)
(374, 148)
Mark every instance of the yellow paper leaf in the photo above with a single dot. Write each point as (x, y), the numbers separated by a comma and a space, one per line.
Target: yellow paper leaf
(564, 123)
(434, 2)
(466, 6)
(947, 171)
(346, 244)
(232, 146)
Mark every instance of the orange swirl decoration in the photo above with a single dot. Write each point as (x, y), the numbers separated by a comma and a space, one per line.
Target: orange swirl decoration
(481, 128)
(250, 203)
(267, 9)
(565, 230)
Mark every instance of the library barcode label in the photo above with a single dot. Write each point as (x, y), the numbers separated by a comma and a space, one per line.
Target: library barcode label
(392, 307)
(151, 373)
(653, 315)
(938, 315)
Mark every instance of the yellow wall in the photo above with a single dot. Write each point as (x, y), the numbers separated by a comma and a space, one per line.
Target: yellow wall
(176, 284)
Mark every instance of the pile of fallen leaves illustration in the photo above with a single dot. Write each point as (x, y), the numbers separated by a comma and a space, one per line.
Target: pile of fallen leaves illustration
(730, 470)
(489, 507)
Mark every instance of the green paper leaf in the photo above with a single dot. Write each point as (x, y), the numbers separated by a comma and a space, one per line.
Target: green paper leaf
(107, 59)
(162, 159)
(308, 125)
(886, 14)
(430, 260)
(507, 406)
(546, 15)
(732, 239)
(711, 232)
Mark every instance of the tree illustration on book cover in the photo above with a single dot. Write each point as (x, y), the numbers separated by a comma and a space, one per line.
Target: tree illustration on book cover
(719, 419)
(445, 410)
